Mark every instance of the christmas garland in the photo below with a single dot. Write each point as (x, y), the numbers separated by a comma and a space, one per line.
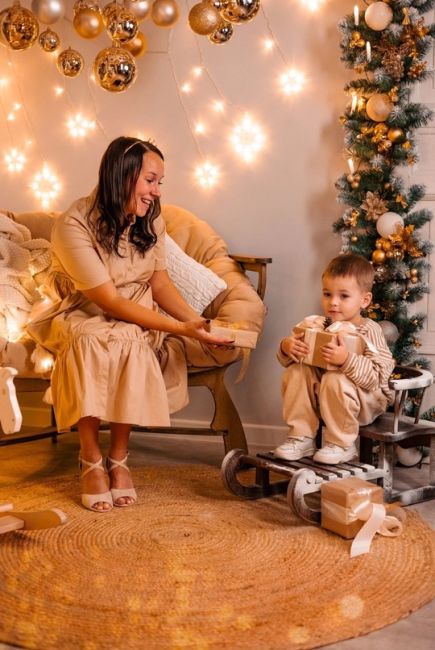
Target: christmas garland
(386, 44)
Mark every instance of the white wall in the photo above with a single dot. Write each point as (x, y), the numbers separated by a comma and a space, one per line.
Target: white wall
(283, 206)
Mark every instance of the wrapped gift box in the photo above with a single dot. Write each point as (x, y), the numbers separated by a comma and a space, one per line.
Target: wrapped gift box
(234, 332)
(316, 337)
(346, 503)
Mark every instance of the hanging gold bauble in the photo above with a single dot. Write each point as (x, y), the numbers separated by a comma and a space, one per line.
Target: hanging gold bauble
(378, 256)
(220, 5)
(48, 11)
(204, 18)
(19, 27)
(141, 9)
(115, 69)
(222, 34)
(109, 9)
(3, 41)
(165, 13)
(70, 63)
(79, 5)
(240, 11)
(88, 23)
(378, 107)
(137, 46)
(49, 40)
(122, 26)
(396, 135)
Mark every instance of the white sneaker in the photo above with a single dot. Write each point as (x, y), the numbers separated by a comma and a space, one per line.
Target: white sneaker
(295, 448)
(332, 454)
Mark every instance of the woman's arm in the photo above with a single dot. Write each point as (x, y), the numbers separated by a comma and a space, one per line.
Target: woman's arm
(169, 298)
(109, 300)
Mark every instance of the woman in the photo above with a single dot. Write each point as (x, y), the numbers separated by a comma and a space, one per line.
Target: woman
(109, 279)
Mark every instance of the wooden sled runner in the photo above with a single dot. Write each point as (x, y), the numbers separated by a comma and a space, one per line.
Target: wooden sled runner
(11, 520)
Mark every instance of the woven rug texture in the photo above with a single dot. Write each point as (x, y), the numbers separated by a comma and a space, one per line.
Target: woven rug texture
(191, 566)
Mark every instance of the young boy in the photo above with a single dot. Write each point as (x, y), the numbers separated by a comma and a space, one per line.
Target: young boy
(352, 394)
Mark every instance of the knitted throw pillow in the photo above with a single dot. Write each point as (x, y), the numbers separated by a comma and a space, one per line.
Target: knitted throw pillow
(197, 284)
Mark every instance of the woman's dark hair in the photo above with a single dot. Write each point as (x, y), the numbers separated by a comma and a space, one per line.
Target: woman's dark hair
(119, 170)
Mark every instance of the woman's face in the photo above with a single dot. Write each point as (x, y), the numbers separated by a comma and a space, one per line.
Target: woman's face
(148, 184)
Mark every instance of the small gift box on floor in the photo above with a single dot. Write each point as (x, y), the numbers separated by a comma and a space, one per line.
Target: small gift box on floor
(237, 333)
(317, 334)
(354, 509)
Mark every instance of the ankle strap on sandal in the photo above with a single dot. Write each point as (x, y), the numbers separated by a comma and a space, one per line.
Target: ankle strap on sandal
(111, 463)
(90, 466)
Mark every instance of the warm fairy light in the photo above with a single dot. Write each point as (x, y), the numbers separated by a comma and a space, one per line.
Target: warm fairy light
(219, 106)
(268, 44)
(207, 175)
(247, 138)
(45, 186)
(15, 160)
(14, 331)
(16, 106)
(200, 128)
(59, 91)
(186, 88)
(4, 81)
(11, 117)
(292, 81)
(197, 71)
(46, 363)
(312, 5)
(79, 126)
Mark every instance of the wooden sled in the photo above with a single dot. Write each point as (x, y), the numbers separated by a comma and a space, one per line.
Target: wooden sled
(301, 478)
(11, 520)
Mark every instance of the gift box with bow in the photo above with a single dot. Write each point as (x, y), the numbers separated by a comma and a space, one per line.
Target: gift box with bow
(354, 508)
(316, 335)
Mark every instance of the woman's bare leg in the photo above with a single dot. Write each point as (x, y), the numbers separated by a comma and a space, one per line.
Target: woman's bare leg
(120, 477)
(96, 481)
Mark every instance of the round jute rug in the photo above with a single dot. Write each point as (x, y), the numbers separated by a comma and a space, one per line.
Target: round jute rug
(191, 566)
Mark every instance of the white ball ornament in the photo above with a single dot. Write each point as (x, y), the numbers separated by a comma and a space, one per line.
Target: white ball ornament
(378, 16)
(48, 11)
(390, 331)
(387, 223)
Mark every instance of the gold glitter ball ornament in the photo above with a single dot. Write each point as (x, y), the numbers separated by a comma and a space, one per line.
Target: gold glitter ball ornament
(19, 28)
(222, 34)
(122, 26)
(115, 69)
(49, 40)
(165, 13)
(204, 19)
(79, 5)
(240, 11)
(108, 10)
(70, 62)
(88, 23)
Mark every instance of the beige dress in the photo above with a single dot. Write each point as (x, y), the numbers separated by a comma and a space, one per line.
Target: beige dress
(104, 367)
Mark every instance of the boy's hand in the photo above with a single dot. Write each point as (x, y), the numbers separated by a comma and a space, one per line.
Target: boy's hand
(294, 347)
(335, 352)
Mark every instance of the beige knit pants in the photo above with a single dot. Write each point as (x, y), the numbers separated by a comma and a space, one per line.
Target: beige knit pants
(311, 393)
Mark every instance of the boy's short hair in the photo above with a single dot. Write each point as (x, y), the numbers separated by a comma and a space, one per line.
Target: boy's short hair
(352, 265)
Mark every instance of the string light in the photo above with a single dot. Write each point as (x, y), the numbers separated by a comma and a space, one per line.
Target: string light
(45, 186)
(11, 117)
(247, 138)
(80, 126)
(312, 5)
(197, 71)
(58, 91)
(4, 81)
(186, 88)
(292, 81)
(15, 160)
(218, 106)
(268, 44)
(207, 175)
(200, 128)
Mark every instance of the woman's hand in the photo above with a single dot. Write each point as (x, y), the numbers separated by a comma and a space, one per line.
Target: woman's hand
(335, 353)
(196, 329)
(294, 347)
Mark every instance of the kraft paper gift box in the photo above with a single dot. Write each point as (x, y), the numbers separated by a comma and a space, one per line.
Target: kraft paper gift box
(234, 332)
(316, 336)
(343, 501)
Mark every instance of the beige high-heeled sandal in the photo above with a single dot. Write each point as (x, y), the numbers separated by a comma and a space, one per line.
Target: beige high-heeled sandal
(90, 500)
(118, 493)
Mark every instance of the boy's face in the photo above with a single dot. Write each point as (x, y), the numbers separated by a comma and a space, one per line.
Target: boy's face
(343, 299)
